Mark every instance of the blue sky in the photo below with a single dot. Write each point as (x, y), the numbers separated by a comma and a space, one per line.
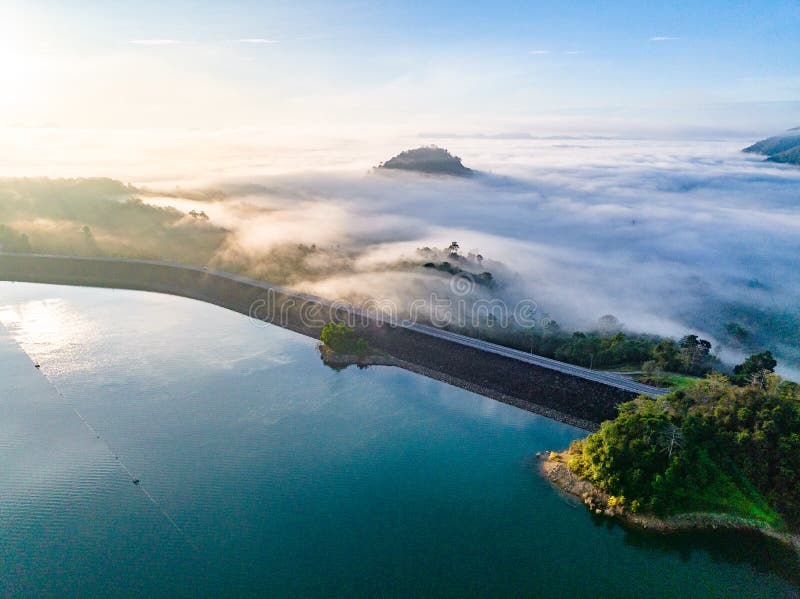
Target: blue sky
(445, 65)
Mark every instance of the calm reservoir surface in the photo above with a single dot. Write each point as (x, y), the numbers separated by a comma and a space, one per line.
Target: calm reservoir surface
(263, 472)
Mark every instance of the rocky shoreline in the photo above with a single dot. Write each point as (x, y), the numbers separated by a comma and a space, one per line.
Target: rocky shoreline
(554, 468)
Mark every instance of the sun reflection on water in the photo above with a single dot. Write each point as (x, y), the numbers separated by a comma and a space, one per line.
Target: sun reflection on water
(50, 327)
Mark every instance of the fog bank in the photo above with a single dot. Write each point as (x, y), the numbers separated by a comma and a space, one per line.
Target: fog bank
(669, 236)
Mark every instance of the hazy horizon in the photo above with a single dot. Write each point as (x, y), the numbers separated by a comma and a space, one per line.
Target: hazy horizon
(389, 69)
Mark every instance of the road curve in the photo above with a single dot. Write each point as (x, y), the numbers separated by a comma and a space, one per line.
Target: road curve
(605, 378)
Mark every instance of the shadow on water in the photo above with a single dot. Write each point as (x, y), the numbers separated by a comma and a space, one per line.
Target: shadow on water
(764, 554)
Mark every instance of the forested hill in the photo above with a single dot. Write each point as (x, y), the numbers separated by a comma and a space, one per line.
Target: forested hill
(431, 160)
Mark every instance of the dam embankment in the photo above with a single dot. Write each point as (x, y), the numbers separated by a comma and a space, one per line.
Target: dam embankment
(567, 397)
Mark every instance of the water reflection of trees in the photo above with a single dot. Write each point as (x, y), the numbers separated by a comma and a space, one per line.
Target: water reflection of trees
(763, 554)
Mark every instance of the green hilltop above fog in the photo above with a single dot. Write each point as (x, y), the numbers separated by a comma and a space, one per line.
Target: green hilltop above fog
(784, 148)
(431, 160)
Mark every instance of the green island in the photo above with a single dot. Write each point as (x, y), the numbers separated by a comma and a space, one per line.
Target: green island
(721, 453)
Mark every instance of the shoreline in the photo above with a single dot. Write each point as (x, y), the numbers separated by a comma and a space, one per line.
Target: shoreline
(554, 468)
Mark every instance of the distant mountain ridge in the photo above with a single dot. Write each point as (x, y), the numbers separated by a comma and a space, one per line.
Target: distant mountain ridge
(431, 160)
(784, 148)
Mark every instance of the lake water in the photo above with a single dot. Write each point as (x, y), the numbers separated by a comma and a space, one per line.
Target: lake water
(263, 472)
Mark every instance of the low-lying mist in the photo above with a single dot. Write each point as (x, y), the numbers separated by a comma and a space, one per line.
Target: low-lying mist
(670, 237)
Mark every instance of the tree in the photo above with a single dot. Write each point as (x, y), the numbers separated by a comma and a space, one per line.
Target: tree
(694, 354)
(754, 369)
(651, 372)
(671, 439)
(342, 339)
(485, 278)
(88, 239)
(453, 248)
(550, 326)
(665, 354)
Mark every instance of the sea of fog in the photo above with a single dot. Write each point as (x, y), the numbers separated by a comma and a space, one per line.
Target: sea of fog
(669, 235)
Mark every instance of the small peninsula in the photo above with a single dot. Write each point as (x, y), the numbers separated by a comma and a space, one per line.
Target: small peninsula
(718, 455)
(430, 160)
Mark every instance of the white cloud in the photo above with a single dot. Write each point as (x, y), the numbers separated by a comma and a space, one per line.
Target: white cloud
(156, 42)
(574, 52)
(663, 38)
(539, 52)
(255, 40)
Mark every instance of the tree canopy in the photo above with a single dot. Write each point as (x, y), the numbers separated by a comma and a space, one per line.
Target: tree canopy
(342, 339)
(715, 447)
(754, 368)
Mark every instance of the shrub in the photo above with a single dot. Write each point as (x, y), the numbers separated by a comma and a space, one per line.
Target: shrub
(342, 339)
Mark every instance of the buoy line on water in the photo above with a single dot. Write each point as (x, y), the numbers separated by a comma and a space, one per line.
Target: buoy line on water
(122, 465)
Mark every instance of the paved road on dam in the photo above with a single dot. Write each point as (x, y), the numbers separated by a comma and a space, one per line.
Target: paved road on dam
(605, 378)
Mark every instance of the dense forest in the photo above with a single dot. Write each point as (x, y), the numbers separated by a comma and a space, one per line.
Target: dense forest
(652, 359)
(715, 447)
